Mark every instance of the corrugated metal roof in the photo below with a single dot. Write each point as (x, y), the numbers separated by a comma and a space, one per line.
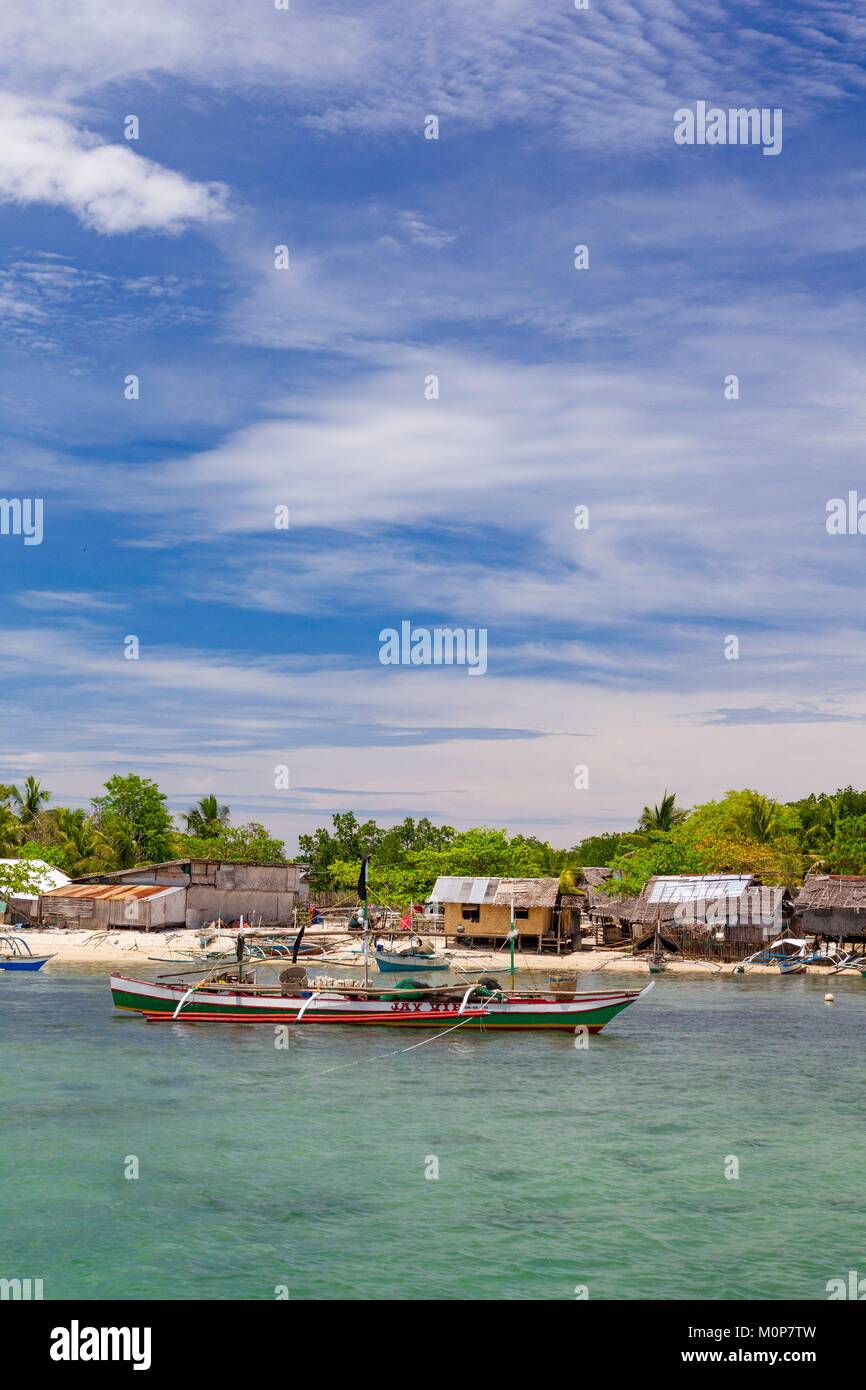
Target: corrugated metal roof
(481, 892)
(682, 888)
(464, 890)
(108, 891)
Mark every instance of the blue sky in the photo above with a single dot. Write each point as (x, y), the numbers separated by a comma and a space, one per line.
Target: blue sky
(558, 388)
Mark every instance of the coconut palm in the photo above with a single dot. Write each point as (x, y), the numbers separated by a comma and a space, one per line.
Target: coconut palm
(664, 816)
(10, 830)
(206, 819)
(86, 848)
(30, 801)
(762, 815)
(551, 862)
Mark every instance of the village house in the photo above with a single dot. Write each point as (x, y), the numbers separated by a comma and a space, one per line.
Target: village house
(832, 906)
(723, 915)
(478, 911)
(603, 915)
(177, 893)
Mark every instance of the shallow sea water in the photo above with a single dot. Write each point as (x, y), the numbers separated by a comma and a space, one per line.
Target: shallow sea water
(558, 1167)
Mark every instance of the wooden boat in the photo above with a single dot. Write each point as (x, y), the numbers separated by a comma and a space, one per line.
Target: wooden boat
(407, 1006)
(15, 954)
(410, 956)
(232, 996)
(659, 949)
(791, 954)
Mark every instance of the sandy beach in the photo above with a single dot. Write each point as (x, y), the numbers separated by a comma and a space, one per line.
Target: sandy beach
(131, 948)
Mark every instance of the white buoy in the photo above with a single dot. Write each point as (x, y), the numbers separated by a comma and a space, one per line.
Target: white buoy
(828, 999)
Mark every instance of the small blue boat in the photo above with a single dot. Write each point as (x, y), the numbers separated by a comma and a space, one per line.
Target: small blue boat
(390, 961)
(15, 954)
(393, 961)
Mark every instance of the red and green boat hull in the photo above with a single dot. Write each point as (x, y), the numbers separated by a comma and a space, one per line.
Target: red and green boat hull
(591, 1010)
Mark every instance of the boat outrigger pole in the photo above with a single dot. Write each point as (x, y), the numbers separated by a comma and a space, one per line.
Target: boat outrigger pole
(362, 894)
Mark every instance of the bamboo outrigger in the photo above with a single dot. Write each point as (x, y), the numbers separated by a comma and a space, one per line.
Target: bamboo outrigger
(222, 996)
(407, 1005)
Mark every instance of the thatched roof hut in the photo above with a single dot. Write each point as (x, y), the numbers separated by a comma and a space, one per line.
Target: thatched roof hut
(708, 900)
(832, 905)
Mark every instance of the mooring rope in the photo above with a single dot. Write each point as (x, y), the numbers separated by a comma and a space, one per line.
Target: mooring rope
(397, 1051)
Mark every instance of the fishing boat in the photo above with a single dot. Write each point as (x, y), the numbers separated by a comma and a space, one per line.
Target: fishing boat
(231, 996)
(415, 954)
(15, 954)
(791, 954)
(409, 1004)
(659, 949)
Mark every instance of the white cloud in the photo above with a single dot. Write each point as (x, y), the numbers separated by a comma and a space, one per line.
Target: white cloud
(196, 721)
(45, 158)
(609, 75)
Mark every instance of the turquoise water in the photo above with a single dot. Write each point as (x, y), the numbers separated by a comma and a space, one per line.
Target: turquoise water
(558, 1167)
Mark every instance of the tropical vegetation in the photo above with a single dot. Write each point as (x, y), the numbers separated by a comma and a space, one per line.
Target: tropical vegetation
(129, 823)
(744, 831)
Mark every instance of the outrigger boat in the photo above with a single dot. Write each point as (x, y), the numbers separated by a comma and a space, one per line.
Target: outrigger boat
(409, 1004)
(236, 996)
(15, 954)
(791, 954)
(659, 950)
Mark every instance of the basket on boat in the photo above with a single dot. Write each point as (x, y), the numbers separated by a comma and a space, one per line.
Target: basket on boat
(563, 981)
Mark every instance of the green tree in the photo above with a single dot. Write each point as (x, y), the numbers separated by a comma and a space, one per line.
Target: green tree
(49, 854)
(30, 799)
(349, 841)
(664, 816)
(207, 818)
(846, 853)
(18, 877)
(410, 836)
(86, 848)
(133, 814)
(237, 842)
(601, 850)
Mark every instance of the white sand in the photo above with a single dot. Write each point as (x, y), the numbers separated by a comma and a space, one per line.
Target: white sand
(133, 948)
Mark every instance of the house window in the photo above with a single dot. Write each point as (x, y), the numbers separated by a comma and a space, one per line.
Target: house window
(471, 914)
(521, 912)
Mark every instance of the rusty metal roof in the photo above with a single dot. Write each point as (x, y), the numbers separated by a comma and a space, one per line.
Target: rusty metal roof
(112, 892)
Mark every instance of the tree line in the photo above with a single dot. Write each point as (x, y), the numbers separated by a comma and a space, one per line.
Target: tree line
(129, 823)
(743, 832)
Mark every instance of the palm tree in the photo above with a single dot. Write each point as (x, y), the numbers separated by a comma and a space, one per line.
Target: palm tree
(664, 816)
(761, 818)
(10, 830)
(86, 848)
(207, 818)
(120, 835)
(820, 831)
(30, 800)
(551, 862)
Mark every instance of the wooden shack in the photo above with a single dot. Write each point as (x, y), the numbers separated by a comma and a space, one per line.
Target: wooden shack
(479, 911)
(720, 916)
(179, 892)
(832, 906)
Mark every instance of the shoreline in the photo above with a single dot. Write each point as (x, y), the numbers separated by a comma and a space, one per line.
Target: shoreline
(136, 948)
